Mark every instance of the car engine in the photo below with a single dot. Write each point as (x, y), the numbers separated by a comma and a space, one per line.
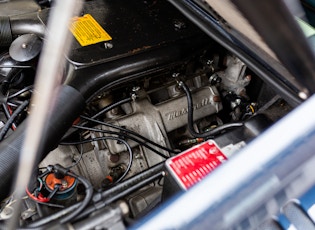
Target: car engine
(155, 87)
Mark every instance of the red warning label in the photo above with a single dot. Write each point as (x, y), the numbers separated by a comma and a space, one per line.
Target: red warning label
(192, 165)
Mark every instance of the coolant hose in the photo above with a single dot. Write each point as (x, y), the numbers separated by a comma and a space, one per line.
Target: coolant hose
(5, 31)
(32, 23)
(69, 104)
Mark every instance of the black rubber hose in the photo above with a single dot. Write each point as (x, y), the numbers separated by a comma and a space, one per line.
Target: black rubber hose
(33, 23)
(69, 106)
(9, 79)
(9, 155)
(61, 120)
(191, 129)
(10, 121)
(5, 32)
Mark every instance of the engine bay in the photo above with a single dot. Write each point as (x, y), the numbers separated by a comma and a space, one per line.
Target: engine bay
(155, 89)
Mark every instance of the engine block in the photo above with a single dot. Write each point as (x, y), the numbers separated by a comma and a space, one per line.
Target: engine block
(152, 121)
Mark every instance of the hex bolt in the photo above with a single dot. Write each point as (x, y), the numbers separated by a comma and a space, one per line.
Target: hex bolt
(64, 184)
(215, 79)
(108, 45)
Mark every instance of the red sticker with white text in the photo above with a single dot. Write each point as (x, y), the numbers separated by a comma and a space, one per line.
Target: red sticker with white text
(192, 165)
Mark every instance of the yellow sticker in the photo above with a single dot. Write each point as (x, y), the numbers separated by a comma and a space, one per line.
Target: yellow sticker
(87, 31)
